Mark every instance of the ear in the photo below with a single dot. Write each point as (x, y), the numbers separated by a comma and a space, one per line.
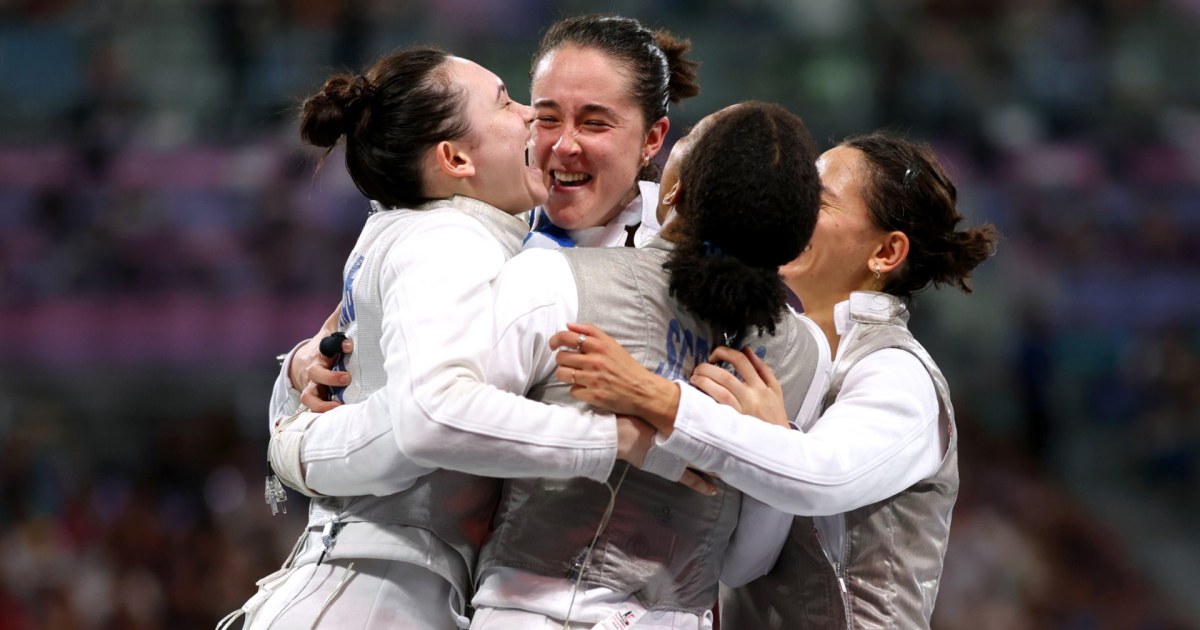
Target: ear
(668, 201)
(655, 137)
(671, 197)
(452, 160)
(891, 252)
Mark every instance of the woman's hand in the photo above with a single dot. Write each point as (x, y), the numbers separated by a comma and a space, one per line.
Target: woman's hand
(603, 374)
(757, 393)
(312, 372)
(635, 439)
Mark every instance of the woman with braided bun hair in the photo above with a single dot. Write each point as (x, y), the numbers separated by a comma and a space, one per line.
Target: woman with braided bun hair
(439, 147)
(872, 476)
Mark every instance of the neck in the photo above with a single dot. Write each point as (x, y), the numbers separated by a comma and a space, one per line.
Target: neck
(629, 197)
(819, 308)
(615, 211)
(673, 231)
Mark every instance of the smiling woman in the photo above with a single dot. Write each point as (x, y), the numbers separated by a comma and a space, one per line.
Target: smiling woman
(455, 99)
(553, 558)
(438, 143)
(601, 87)
(396, 520)
(872, 475)
(496, 171)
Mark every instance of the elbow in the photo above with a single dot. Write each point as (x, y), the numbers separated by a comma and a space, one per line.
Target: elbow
(829, 503)
(812, 501)
(426, 447)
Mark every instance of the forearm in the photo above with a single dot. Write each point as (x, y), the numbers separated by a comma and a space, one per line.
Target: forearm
(443, 411)
(436, 412)
(350, 450)
(467, 425)
(836, 467)
(657, 402)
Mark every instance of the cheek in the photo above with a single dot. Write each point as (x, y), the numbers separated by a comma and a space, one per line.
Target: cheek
(543, 142)
(820, 230)
(614, 157)
(631, 148)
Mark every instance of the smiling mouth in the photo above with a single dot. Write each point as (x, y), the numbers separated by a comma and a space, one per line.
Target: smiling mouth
(570, 180)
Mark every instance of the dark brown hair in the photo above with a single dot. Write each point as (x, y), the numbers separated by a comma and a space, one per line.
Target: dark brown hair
(908, 191)
(749, 199)
(404, 104)
(658, 70)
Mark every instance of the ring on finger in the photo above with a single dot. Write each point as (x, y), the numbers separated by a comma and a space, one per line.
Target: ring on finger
(579, 344)
(573, 373)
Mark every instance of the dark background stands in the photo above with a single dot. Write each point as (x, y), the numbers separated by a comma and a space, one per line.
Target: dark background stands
(162, 237)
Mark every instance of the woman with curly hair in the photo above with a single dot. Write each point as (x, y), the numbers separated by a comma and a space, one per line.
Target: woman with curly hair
(873, 475)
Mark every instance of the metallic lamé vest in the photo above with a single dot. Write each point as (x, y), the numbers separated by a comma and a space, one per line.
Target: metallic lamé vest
(890, 556)
(664, 543)
(441, 521)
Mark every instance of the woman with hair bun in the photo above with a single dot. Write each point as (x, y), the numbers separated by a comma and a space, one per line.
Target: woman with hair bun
(601, 87)
(638, 550)
(605, 142)
(877, 466)
(437, 144)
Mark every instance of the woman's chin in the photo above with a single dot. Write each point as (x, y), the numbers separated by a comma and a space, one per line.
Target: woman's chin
(573, 212)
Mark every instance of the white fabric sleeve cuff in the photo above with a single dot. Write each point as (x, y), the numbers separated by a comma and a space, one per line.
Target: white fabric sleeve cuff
(285, 399)
(663, 463)
(283, 452)
(286, 366)
(680, 442)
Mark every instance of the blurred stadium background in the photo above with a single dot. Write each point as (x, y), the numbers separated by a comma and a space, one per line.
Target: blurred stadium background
(162, 237)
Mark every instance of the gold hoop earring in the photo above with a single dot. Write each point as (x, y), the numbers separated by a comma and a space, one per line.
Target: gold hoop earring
(876, 271)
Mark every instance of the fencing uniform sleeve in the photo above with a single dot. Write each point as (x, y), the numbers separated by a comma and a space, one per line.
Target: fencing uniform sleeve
(879, 437)
(285, 399)
(761, 532)
(436, 408)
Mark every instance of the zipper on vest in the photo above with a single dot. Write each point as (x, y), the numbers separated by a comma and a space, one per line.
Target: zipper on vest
(839, 572)
(839, 568)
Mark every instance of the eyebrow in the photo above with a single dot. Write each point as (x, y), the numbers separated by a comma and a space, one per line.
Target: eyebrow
(590, 108)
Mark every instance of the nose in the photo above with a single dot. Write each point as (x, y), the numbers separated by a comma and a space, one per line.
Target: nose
(566, 145)
(527, 113)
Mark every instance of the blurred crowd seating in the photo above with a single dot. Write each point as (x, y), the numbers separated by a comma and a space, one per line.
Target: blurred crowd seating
(179, 541)
(158, 217)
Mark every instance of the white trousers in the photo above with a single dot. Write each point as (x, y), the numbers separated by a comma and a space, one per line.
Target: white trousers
(373, 594)
(507, 619)
(510, 619)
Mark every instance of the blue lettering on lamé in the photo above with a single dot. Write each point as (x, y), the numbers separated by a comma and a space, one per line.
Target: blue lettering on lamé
(684, 349)
(347, 313)
(345, 316)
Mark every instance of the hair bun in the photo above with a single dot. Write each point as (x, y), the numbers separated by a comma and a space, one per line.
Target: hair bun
(681, 82)
(339, 109)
